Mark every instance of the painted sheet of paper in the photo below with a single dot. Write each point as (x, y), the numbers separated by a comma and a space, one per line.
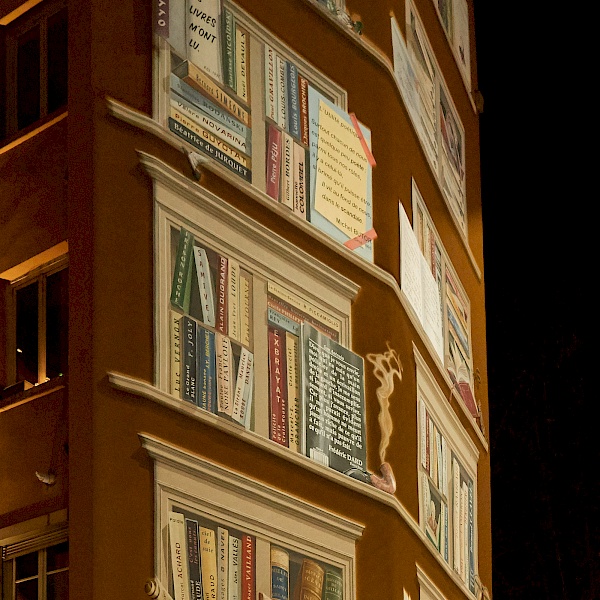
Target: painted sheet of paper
(340, 174)
(405, 76)
(203, 36)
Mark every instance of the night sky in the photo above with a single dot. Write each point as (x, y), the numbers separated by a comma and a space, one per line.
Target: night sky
(539, 281)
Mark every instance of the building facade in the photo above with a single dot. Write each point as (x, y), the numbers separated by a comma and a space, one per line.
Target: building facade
(242, 328)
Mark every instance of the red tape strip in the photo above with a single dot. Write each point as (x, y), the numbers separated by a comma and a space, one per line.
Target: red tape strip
(361, 240)
(363, 142)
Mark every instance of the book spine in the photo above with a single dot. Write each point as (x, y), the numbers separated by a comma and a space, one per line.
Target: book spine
(282, 111)
(273, 161)
(303, 103)
(277, 388)
(423, 423)
(189, 359)
(234, 574)
(246, 307)
(248, 395)
(248, 567)
(202, 83)
(299, 317)
(233, 299)
(242, 50)
(238, 143)
(270, 85)
(456, 514)
(310, 581)
(208, 136)
(283, 322)
(205, 285)
(208, 560)
(176, 354)
(229, 48)
(300, 206)
(444, 467)
(287, 171)
(293, 391)
(333, 586)
(293, 123)
(223, 563)
(179, 563)
(463, 526)
(193, 551)
(222, 296)
(471, 537)
(181, 274)
(206, 366)
(214, 152)
(280, 573)
(200, 101)
(224, 359)
(238, 394)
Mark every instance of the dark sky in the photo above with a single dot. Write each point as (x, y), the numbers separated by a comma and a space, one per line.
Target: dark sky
(539, 286)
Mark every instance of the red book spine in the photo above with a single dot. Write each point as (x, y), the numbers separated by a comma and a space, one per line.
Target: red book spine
(222, 306)
(303, 91)
(277, 387)
(248, 568)
(273, 162)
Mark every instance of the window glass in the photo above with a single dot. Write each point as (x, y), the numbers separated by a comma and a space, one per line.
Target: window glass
(28, 77)
(57, 60)
(26, 566)
(27, 333)
(27, 590)
(57, 557)
(58, 586)
(57, 323)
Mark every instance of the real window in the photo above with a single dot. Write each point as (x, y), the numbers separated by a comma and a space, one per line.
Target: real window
(36, 567)
(34, 67)
(37, 310)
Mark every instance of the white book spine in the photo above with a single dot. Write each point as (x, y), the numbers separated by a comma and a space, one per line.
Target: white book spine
(179, 560)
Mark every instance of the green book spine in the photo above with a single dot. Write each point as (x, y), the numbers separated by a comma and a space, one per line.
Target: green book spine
(229, 69)
(181, 286)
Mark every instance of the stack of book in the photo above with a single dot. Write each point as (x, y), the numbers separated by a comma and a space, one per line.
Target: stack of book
(211, 115)
(286, 111)
(463, 533)
(210, 562)
(211, 362)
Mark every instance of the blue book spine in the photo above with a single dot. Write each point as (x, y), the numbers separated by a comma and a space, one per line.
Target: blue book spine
(279, 583)
(188, 327)
(206, 366)
(201, 102)
(193, 552)
(471, 541)
(293, 101)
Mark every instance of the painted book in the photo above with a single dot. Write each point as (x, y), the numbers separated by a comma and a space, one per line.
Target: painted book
(280, 573)
(222, 310)
(278, 430)
(333, 407)
(203, 36)
(309, 585)
(333, 585)
(234, 570)
(224, 360)
(206, 284)
(293, 391)
(233, 299)
(242, 395)
(246, 306)
(180, 287)
(286, 195)
(282, 110)
(223, 563)
(303, 106)
(273, 161)
(208, 561)
(175, 375)
(189, 388)
(293, 101)
(193, 553)
(248, 567)
(242, 63)
(200, 81)
(228, 48)
(270, 84)
(206, 365)
(179, 561)
(300, 182)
